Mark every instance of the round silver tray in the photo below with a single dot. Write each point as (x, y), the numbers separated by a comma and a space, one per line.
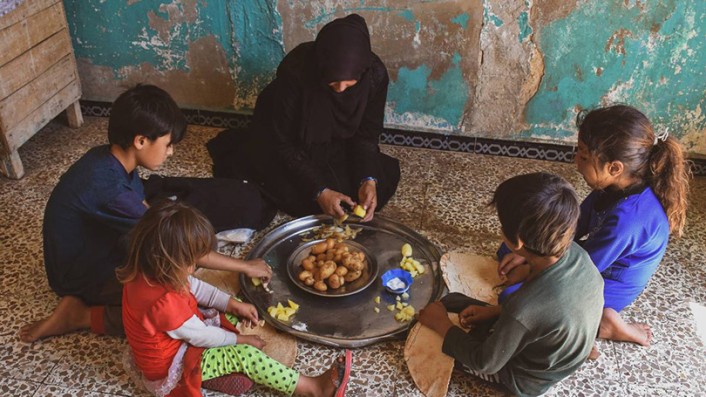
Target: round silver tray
(347, 321)
(365, 279)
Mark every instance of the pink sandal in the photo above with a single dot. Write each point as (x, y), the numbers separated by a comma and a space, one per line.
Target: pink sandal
(344, 374)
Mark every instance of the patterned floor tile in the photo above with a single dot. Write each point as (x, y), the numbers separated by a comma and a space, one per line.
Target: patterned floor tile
(442, 195)
(18, 388)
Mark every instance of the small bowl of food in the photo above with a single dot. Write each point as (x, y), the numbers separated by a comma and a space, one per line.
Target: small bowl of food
(397, 281)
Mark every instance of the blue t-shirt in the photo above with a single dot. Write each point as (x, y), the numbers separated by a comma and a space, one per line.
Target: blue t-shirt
(626, 241)
(89, 212)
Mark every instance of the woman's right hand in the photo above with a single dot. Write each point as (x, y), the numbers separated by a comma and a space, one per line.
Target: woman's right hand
(252, 340)
(508, 263)
(330, 202)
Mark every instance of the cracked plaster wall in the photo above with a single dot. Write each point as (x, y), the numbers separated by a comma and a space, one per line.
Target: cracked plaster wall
(489, 68)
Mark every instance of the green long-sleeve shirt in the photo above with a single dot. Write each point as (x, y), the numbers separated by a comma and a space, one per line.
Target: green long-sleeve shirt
(545, 331)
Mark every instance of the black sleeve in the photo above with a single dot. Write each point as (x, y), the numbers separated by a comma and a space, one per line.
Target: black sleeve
(363, 146)
(283, 117)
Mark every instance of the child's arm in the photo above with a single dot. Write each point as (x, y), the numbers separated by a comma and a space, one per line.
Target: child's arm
(251, 268)
(195, 332)
(207, 295)
(490, 354)
(435, 316)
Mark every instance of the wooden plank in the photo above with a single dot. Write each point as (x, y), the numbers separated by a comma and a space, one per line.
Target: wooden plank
(28, 66)
(20, 37)
(41, 116)
(11, 165)
(26, 9)
(74, 115)
(28, 98)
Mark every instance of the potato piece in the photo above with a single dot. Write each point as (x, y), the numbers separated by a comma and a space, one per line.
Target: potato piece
(321, 257)
(335, 281)
(320, 286)
(330, 255)
(341, 270)
(352, 276)
(309, 281)
(406, 250)
(256, 281)
(330, 243)
(307, 264)
(326, 270)
(355, 266)
(319, 248)
(359, 211)
(305, 274)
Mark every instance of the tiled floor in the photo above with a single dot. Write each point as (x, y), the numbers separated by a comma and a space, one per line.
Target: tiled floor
(442, 195)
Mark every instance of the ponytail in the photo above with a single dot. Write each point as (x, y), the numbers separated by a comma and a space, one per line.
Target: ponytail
(669, 180)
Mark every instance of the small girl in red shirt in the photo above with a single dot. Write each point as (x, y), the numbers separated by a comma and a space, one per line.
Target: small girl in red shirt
(175, 324)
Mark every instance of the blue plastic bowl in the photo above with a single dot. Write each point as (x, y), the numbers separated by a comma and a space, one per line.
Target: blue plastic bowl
(402, 275)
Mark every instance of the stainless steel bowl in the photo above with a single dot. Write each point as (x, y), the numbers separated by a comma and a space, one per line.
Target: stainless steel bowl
(369, 275)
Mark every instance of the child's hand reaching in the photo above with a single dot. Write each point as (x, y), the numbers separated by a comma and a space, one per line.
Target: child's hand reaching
(510, 262)
(245, 312)
(252, 340)
(477, 314)
(258, 268)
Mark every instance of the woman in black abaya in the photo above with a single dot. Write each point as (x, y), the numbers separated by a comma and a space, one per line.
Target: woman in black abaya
(313, 144)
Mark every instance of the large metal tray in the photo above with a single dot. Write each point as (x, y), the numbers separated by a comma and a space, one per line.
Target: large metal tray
(348, 321)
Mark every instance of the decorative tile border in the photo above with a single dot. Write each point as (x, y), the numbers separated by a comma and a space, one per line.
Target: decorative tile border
(415, 139)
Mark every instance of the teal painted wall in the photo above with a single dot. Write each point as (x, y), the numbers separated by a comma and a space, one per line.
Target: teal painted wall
(487, 68)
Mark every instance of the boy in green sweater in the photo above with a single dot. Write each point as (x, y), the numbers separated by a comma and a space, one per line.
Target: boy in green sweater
(546, 329)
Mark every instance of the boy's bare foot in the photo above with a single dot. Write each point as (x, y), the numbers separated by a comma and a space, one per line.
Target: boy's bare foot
(71, 314)
(594, 354)
(613, 327)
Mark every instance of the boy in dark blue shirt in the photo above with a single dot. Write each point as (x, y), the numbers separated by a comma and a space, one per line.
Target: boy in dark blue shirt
(94, 205)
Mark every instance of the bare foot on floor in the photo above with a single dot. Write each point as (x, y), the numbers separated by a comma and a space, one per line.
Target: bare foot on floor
(71, 314)
(613, 327)
(594, 354)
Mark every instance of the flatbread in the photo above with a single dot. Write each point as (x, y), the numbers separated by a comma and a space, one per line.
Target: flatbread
(473, 275)
(278, 345)
(221, 279)
(430, 368)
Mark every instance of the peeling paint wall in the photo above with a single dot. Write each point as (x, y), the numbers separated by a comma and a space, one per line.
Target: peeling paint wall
(510, 69)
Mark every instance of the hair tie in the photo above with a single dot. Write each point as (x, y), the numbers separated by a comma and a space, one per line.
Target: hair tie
(661, 136)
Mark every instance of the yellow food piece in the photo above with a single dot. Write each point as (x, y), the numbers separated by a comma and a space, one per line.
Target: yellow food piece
(406, 314)
(397, 298)
(405, 296)
(377, 299)
(399, 306)
(256, 281)
(343, 218)
(359, 211)
(391, 308)
(406, 250)
(281, 312)
(376, 310)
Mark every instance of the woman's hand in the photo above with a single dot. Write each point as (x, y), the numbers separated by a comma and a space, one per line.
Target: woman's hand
(477, 314)
(435, 316)
(509, 262)
(252, 340)
(368, 196)
(330, 202)
(258, 268)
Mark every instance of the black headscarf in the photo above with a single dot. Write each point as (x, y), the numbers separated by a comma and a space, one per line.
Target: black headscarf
(341, 52)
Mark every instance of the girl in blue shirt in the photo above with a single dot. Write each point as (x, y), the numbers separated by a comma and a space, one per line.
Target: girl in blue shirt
(640, 182)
